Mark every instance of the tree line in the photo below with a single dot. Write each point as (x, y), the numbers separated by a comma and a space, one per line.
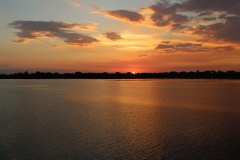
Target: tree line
(79, 75)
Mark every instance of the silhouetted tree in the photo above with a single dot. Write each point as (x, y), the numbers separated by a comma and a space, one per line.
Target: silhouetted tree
(104, 75)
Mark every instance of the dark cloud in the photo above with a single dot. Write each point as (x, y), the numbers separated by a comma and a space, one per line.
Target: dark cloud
(122, 14)
(166, 14)
(189, 47)
(126, 15)
(76, 38)
(166, 42)
(112, 36)
(184, 45)
(223, 17)
(227, 31)
(163, 46)
(227, 48)
(20, 40)
(208, 18)
(228, 6)
(30, 30)
(178, 27)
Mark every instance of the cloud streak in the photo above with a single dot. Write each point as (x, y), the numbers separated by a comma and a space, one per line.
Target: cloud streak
(56, 46)
(112, 36)
(169, 47)
(125, 15)
(74, 3)
(32, 30)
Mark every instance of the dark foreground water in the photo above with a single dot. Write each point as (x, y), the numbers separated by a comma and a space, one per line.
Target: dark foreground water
(112, 119)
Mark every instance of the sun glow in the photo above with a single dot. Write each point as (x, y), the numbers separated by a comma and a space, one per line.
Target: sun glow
(133, 73)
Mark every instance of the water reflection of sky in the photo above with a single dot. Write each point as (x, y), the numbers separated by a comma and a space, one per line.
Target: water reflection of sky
(192, 94)
(94, 119)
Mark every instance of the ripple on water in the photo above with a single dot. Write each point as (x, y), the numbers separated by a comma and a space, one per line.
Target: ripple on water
(99, 119)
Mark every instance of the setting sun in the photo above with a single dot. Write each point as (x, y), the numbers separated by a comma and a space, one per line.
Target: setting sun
(133, 73)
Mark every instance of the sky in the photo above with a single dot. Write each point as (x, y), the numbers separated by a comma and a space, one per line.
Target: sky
(119, 36)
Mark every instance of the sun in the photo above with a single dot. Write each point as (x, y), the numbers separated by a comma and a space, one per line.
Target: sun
(133, 72)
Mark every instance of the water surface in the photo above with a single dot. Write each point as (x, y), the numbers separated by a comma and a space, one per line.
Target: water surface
(119, 119)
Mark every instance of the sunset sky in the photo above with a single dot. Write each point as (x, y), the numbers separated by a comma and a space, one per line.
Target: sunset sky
(119, 35)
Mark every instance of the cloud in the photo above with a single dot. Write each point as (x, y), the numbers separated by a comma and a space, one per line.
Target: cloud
(112, 36)
(205, 13)
(229, 7)
(56, 46)
(21, 40)
(74, 3)
(163, 46)
(227, 31)
(165, 14)
(224, 49)
(166, 42)
(31, 30)
(125, 15)
(208, 18)
(143, 55)
(178, 27)
(169, 48)
(218, 20)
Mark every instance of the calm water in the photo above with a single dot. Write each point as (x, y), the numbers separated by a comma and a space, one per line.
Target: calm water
(112, 119)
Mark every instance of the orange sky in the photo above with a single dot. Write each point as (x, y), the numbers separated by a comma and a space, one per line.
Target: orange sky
(114, 36)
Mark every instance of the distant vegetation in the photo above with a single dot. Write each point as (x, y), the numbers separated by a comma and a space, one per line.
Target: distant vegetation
(128, 75)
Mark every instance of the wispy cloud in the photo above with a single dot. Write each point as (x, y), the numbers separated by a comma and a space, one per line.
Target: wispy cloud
(167, 47)
(56, 46)
(112, 36)
(74, 3)
(4, 66)
(207, 13)
(143, 55)
(30, 30)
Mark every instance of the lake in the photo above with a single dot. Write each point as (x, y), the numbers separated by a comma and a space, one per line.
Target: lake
(119, 119)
